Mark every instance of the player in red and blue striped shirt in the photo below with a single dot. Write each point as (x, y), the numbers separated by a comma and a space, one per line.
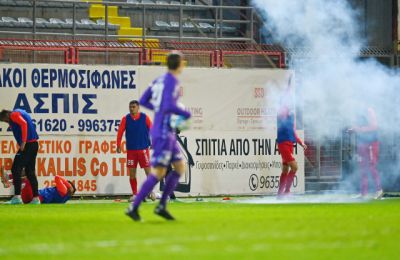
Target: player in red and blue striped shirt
(26, 136)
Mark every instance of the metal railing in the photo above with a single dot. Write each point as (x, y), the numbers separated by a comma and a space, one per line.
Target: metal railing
(203, 54)
(182, 11)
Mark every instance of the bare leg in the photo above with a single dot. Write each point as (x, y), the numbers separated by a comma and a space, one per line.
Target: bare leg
(152, 195)
(283, 178)
(293, 170)
(147, 170)
(373, 166)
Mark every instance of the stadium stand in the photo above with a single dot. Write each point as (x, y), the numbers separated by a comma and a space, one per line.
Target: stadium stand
(127, 20)
(145, 22)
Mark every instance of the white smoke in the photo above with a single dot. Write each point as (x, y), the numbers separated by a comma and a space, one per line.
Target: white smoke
(334, 83)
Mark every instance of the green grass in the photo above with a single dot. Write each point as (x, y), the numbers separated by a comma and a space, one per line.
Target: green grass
(203, 230)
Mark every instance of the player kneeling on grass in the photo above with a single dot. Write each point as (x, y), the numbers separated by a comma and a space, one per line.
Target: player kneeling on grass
(162, 97)
(60, 193)
(286, 138)
(136, 126)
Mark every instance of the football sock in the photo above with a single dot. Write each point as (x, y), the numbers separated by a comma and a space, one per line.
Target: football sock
(147, 187)
(282, 183)
(289, 181)
(133, 182)
(375, 176)
(364, 179)
(170, 184)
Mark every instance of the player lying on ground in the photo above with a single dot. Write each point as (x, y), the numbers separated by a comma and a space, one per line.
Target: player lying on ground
(136, 126)
(60, 193)
(366, 131)
(287, 138)
(25, 134)
(162, 97)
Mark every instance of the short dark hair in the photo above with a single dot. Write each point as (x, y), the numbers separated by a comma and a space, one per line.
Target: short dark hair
(174, 60)
(134, 102)
(73, 186)
(4, 113)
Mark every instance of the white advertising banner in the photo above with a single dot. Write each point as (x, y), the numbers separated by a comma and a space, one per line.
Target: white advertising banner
(238, 162)
(77, 110)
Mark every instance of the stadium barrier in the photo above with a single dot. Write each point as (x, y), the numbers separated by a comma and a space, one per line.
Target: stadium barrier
(77, 110)
(134, 53)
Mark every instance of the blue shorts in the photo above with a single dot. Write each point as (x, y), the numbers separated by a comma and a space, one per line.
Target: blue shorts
(165, 151)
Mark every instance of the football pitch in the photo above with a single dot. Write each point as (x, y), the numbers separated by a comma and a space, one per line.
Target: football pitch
(254, 228)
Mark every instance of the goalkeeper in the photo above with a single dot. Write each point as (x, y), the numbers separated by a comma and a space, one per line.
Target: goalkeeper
(162, 97)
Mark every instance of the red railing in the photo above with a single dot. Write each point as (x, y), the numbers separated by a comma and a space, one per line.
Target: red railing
(214, 51)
